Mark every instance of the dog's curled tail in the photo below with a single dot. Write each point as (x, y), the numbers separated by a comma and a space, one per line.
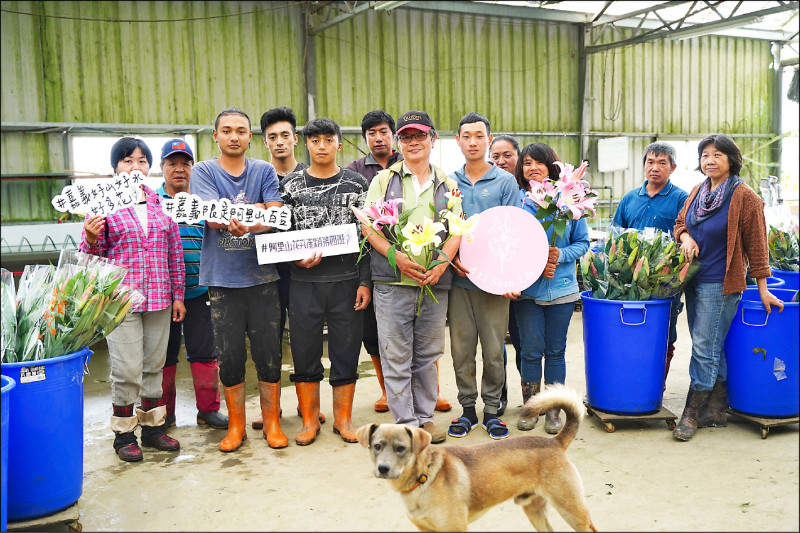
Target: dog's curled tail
(557, 396)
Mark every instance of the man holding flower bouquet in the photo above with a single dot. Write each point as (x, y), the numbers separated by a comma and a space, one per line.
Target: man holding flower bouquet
(406, 289)
(473, 313)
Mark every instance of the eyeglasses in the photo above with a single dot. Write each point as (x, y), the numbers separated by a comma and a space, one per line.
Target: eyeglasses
(420, 136)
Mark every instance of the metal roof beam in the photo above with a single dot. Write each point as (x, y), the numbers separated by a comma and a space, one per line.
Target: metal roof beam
(347, 10)
(500, 10)
(693, 30)
(645, 11)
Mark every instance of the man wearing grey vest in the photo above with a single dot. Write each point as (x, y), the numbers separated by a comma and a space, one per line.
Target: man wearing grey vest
(411, 343)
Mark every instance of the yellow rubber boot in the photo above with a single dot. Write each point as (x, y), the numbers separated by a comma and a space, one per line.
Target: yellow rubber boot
(234, 399)
(441, 403)
(308, 398)
(381, 404)
(343, 411)
(270, 394)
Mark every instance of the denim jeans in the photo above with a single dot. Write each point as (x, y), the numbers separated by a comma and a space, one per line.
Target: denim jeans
(710, 314)
(543, 333)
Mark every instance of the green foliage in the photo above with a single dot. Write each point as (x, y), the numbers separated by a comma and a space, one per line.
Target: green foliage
(634, 266)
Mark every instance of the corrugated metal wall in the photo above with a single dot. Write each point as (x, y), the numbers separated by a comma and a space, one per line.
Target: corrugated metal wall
(709, 84)
(523, 75)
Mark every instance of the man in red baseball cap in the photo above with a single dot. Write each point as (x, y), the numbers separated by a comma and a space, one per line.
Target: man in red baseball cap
(410, 344)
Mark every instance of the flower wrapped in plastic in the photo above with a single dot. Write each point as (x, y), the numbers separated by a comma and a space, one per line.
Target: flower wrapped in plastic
(646, 265)
(33, 298)
(8, 316)
(87, 302)
(386, 220)
(62, 310)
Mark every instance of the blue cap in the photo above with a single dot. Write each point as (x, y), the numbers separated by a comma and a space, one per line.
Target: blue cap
(176, 146)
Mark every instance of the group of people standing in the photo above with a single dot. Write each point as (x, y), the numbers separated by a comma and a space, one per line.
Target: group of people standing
(203, 281)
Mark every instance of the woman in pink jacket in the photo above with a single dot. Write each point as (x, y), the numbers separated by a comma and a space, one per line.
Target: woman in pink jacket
(143, 239)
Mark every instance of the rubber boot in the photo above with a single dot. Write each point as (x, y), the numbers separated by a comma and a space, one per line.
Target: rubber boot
(205, 376)
(234, 398)
(695, 401)
(381, 404)
(270, 394)
(123, 423)
(258, 423)
(168, 392)
(552, 420)
(153, 419)
(441, 404)
(713, 414)
(308, 396)
(670, 353)
(343, 411)
(529, 388)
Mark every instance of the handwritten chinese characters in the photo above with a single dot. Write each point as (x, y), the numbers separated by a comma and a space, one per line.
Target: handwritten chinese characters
(100, 197)
(185, 207)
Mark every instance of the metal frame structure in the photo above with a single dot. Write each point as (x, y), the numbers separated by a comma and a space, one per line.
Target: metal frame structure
(647, 24)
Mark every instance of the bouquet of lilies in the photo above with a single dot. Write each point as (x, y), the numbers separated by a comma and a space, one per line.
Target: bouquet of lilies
(88, 301)
(32, 300)
(8, 320)
(386, 220)
(569, 198)
(646, 265)
(61, 310)
(784, 249)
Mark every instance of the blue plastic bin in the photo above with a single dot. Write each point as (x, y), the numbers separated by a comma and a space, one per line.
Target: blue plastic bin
(762, 355)
(5, 402)
(625, 347)
(791, 279)
(772, 283)
(46, 420)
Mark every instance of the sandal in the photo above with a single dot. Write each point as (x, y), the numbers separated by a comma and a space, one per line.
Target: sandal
(496, 428)
(460, 427)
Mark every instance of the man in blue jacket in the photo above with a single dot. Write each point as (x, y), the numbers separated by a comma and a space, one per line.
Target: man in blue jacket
(473, 313)
(656, 204)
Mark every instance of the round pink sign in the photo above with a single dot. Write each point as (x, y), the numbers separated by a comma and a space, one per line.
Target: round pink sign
(508, 251)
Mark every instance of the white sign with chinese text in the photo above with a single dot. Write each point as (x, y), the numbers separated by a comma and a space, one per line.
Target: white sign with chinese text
(185, 207)
(101, 196)
(300, 244)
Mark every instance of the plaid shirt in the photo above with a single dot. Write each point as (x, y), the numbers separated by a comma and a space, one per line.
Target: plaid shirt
(155, 264)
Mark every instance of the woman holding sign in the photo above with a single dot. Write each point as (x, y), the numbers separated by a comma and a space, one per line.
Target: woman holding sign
(543, 310)
(147, 242)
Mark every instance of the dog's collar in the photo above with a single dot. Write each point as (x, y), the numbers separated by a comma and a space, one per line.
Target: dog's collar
(423, 477)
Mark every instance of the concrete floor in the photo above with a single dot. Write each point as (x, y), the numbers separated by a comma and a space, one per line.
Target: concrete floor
(636, 479)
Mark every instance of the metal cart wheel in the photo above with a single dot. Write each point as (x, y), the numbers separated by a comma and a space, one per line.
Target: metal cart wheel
(764, 432)
(670, 424)
(609, 427)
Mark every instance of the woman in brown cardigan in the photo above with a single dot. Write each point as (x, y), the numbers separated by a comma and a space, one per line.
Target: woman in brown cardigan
(722, 223)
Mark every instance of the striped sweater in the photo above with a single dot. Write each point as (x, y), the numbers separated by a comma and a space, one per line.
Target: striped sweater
(192, 240)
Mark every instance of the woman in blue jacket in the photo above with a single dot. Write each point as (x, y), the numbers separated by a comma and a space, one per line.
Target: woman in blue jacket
(544, 309)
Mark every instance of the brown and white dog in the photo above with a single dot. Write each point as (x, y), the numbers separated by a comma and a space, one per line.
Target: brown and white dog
(447, 487)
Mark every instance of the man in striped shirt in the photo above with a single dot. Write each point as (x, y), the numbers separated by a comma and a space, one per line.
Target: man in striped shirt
(177, 160)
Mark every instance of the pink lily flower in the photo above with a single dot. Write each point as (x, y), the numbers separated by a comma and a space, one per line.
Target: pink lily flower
(569, 174)
(575, 198)
(541, 193)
